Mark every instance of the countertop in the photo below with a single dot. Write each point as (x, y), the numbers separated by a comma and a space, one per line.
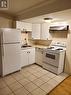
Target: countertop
(40, 46)
(34, 46)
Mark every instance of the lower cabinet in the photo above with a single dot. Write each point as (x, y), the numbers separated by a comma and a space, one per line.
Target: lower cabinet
(39, 56)
(27, 56)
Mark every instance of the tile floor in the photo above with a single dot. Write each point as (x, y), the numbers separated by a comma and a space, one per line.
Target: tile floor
(31, 80)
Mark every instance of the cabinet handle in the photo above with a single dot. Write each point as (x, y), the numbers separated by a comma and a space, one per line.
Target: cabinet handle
(28, 52)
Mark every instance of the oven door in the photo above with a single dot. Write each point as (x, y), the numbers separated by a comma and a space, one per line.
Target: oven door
(50, 57)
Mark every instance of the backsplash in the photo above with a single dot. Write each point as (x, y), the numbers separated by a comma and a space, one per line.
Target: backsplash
(59, 36)
(43, 42)
(24, 38)
(56, 37)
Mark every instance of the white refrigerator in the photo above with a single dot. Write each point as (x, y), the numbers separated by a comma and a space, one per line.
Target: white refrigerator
(10, 50)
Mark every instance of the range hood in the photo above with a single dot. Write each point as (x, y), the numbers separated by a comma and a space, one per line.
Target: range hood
(59, 28)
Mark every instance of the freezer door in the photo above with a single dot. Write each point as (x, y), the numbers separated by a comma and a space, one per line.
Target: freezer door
(11, 35)
(11, 58)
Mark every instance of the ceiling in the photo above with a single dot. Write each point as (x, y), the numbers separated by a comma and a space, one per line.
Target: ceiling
(17, 6)
(22, 9)
(61, 16)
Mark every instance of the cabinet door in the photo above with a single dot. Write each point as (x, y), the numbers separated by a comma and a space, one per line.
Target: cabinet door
(19, 25)
(39, 57)
(44, 31)
(28, 26)
(24, 58)
(36, 31)
(23, 26)
(31, 55)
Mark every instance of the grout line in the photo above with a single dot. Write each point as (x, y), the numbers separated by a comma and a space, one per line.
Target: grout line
(30, 81)
(9, 87)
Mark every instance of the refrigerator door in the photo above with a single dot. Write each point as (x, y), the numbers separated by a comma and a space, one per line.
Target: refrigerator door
(11, 58)
(11, 35)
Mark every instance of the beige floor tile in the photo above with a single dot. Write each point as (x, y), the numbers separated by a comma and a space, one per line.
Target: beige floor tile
(15, 86)
(16, 73)
(37, 74)
(44, 71)
(2, 84)
(18, 76)
(53, 83)
(45, 78)
(32, 71)
(24, 81)
(25, 69)
(5, 91)
(11, 94)
(7, 77)
(29, 94)
(30, 87)
(21, 91)
(26, 74)
(34, 66)
(41, 73)
(38, 69)
(38, 91)
(38, 82)
(63, 75)
(51, 75)
(31, 77)
(9, 80)
(46, 87)
(58, 79)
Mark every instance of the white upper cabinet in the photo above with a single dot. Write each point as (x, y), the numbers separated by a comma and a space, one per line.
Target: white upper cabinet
(40, 31)
(23, 26)
(36, 29)
(19, 25)
(44, 31)
(28, 26)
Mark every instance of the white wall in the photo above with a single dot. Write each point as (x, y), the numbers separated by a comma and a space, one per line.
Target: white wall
(68, 55)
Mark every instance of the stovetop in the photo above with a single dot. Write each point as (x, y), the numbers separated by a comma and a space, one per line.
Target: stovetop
(57, 47)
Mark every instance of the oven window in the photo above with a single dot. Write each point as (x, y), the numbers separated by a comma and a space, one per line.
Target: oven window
(50, 56)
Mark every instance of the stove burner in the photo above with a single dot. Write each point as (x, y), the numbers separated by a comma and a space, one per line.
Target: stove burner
(59, 49)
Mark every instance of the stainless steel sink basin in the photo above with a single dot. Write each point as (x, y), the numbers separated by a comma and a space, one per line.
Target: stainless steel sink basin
(24, 46)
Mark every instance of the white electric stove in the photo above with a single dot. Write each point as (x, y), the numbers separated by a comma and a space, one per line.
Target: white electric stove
(53, 58)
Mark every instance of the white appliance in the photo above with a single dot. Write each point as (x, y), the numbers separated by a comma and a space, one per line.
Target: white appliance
(53, 58)
(10, 50)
